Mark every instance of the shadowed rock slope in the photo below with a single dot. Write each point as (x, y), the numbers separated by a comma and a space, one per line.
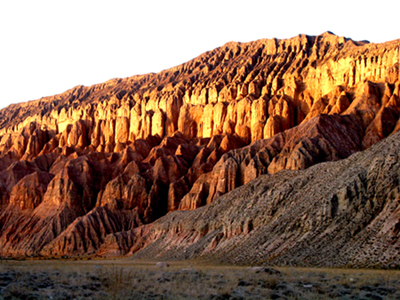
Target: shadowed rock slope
(336, 214)
(94, 161)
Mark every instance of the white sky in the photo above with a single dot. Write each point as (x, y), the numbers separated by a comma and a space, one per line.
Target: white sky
(47, 47)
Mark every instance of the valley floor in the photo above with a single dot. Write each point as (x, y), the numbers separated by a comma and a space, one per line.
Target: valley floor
(126, 279)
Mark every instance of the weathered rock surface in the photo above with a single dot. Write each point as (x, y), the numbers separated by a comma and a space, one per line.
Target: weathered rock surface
(80, 168)
(323, 138)
(336, 214)
(85, 234)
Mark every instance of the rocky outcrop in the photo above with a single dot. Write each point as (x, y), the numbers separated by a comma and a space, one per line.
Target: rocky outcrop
(29, 191)
(85, 234)
(82, 166)
(254, 90)
(323, 138)
(334, 214)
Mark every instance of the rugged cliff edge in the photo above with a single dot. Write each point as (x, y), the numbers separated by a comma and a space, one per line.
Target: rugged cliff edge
(84, 171)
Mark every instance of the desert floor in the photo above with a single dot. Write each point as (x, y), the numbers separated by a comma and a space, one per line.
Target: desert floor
(127, 279)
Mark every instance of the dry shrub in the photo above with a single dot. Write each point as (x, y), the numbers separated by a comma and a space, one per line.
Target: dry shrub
(126, 280)
(116, 280)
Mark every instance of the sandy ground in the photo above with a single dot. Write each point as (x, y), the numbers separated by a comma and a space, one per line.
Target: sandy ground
(126, 279)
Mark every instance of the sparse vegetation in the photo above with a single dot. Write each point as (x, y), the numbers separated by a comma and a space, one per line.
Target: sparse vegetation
(123, 279)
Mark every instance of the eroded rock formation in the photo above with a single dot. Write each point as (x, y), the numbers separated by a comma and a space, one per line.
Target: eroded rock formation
(334, 214)
(92, 164)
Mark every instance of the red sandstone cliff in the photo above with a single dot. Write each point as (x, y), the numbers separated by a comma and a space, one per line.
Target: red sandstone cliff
(99, 160)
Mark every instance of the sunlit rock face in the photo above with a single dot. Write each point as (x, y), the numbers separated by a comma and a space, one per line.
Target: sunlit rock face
(99, 160)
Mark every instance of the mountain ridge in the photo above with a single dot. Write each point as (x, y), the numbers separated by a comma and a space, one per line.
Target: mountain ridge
(110, 159)
(277, 235)
(267, 42)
